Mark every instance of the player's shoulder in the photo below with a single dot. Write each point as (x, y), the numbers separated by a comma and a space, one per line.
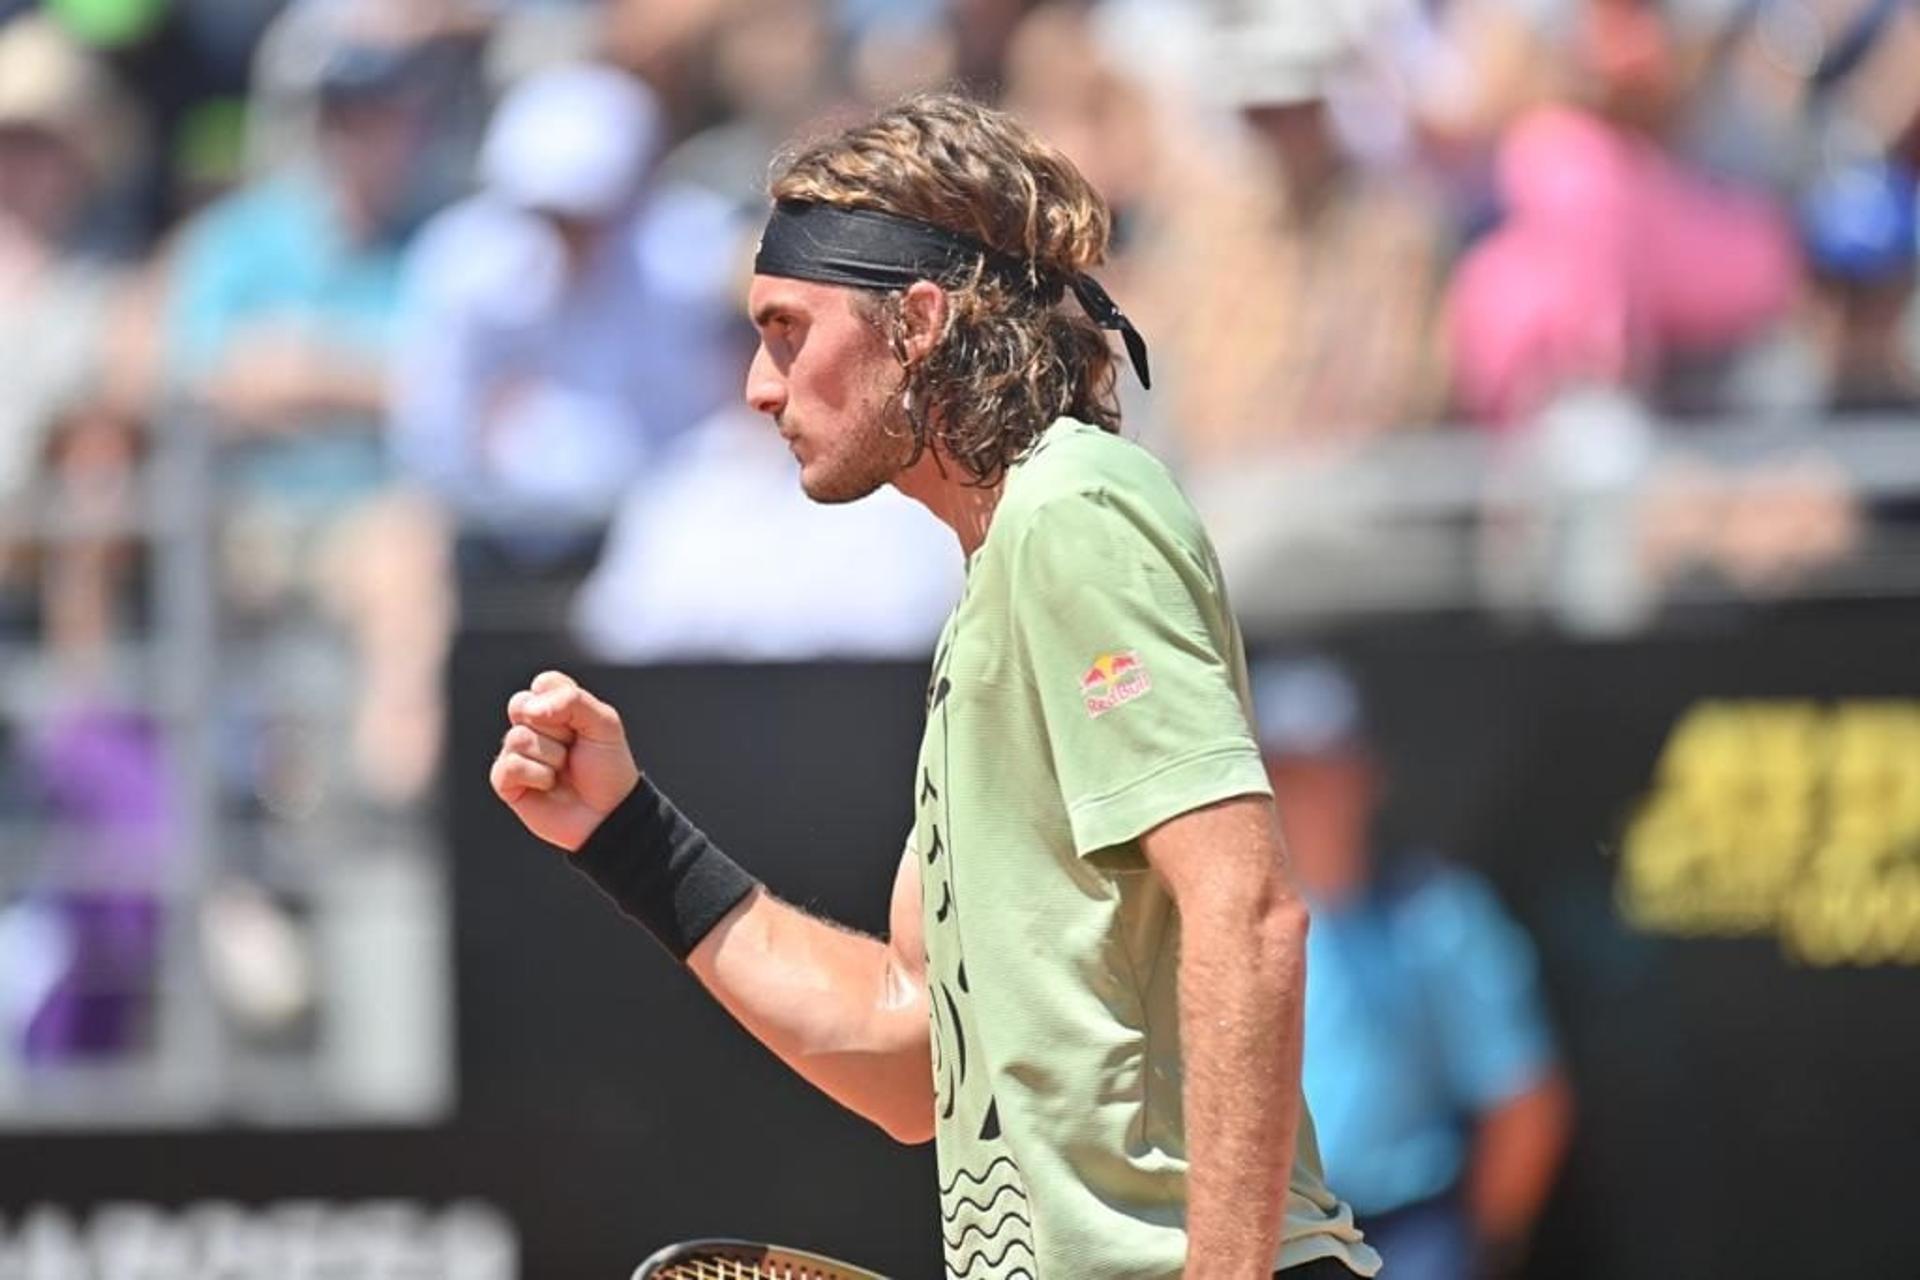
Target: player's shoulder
(1076, 471)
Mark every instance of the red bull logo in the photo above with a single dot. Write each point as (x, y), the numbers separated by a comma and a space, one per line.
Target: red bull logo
(1113, 678)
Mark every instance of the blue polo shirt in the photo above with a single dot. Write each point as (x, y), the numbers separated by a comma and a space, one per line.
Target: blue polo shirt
(1423, 1009)
(270, 255)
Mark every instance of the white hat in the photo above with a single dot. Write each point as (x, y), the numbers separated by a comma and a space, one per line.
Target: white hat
(574, 140)
(1280, 52)
(49, 81)
(1307, 706)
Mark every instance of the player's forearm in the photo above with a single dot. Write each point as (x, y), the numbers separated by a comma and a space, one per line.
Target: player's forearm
(1242, 973)
(829, 1004)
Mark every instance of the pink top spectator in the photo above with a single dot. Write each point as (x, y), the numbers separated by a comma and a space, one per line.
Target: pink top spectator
(1612, 256)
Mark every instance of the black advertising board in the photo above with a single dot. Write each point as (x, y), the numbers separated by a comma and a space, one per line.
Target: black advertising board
(1711, 836)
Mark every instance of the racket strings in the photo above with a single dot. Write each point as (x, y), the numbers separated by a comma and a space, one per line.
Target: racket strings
(720, 1268)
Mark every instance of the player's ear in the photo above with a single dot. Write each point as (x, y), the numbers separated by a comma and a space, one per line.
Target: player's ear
(923, 318)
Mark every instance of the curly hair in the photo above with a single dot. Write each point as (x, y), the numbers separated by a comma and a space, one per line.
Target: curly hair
(1009, 361)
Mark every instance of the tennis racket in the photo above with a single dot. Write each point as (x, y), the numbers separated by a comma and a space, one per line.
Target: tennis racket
(744, 1260)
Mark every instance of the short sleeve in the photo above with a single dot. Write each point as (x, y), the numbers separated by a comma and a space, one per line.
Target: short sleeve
(1496, 1039)
(1134, 659)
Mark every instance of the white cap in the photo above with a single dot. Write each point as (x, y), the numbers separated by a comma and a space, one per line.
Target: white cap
(47, 80)
(1282, 52)
(1307, 706)
(574, 140)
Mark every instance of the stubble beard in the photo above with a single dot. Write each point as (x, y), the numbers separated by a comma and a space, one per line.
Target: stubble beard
(868, 455)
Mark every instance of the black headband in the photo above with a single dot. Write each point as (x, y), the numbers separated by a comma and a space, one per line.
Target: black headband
(868, 249)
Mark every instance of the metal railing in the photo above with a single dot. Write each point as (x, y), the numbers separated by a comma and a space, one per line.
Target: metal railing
(351, 885)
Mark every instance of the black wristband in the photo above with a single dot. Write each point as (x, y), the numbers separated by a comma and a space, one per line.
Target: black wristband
(661, 870)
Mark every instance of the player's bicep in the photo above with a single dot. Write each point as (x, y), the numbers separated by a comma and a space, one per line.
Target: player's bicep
(1225, 854)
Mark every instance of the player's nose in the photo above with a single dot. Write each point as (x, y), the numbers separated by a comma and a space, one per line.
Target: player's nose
(766, 390)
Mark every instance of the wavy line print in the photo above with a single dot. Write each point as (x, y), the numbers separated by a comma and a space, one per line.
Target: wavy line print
(976, 1204)
(947, 1216)
(988, 1234)
(979, 1258)
(979, 1179)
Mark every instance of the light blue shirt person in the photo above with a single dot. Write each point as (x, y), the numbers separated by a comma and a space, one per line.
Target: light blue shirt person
(1425, 994)
(1429, 1058)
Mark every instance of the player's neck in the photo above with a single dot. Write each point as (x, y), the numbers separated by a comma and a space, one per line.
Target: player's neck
(944, 487)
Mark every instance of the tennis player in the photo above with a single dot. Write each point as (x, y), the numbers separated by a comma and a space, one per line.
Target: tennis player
(1091, 996)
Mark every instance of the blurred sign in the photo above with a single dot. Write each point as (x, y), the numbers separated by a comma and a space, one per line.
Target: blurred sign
(1708, 832)
(295, 1240)
(1790, 818)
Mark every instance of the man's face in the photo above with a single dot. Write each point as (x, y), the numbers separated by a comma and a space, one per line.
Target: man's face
(43, 180)
(829, 382)
(1326, 807)
(372, 145)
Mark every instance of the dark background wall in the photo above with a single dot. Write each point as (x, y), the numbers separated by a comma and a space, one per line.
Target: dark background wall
(1740, 1115)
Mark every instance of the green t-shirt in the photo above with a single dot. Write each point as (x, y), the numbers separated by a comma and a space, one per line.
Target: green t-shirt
(1090, 685)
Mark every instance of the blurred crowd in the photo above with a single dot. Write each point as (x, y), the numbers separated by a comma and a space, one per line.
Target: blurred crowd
(446, 292)
(399, 316)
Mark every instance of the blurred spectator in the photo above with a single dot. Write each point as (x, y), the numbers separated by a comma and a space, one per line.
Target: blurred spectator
(561, 324)
(896, 52)
(1064, 79)
(59, 141)
(1861, 224)
(1858, 102)
(529, 36)
(1441, 1110)
(1765, 527)
(1818, 99)
(1291, 289)
(1616, 262)
(665, 43)
(1775, 80)
(284, 292)
(90, 991)
(773, 63)
(439, 47)
(90, 554)
(982, 30)
(684, 577)
(1611, 262)
(280, 313)
(94, 770)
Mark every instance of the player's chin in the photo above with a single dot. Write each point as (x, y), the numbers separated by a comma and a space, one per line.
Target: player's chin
(823, 482)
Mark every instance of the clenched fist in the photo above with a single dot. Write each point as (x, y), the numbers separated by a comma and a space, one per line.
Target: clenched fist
(565, 763)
